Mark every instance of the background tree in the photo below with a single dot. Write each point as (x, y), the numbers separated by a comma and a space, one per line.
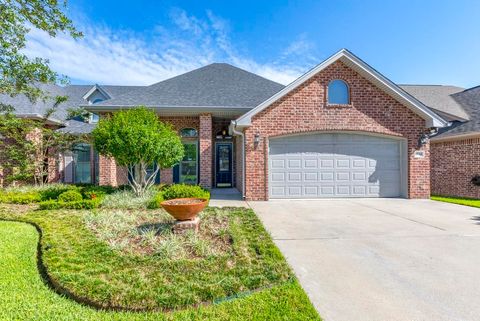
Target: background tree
(137, 139)
(29, 145)
(20, 74)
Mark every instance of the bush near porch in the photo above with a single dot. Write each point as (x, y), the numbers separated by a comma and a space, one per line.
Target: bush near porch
(91, 196)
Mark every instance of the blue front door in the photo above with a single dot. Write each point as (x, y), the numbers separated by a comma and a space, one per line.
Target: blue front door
(223, 165)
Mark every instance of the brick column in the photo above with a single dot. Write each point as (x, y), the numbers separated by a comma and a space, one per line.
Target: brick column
(108, 171)
(53, 172)
(205, 147)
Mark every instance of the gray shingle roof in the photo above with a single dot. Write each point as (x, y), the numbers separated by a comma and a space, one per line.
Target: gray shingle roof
(469, 99)
(215, 85)
(75, 126)
(223, 85)
(439, 98)
(75, 94)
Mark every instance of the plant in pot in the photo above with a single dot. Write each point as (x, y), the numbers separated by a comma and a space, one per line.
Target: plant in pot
(183, 202)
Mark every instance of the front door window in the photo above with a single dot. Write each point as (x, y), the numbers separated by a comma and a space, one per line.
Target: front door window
(188, 165)
(224, 165)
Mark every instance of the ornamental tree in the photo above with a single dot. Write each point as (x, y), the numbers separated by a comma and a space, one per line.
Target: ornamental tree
(19, 73)
(28, 146)
(137, 139)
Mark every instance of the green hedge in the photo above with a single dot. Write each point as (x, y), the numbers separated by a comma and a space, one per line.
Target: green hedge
(20, 198)
(35, 194)
(76, 205)
(178, 191)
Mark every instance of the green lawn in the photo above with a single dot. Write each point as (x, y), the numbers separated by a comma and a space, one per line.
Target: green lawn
(456, 200)
(86, 266)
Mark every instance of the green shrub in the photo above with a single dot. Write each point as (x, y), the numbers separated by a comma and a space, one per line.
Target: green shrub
(76, 205)
(19, 198)
(183, 191)
(70, 196)
(53, 192)
(178, 191)
(98, 189)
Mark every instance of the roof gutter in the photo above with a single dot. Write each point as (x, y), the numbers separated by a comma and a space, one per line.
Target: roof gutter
(233, 130)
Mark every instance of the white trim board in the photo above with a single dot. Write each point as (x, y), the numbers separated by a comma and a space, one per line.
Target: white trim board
(352, 61)
(94, 89)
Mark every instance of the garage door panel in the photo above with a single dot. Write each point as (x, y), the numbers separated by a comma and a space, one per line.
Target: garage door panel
(277, 164)
(342, 163)
(278, 177)
(294, 177)
(326, 163)
(342, 176)
(334, 165)
(327, 176)
(294, 163)
(310, 191)
(310, 163)
(310, 177)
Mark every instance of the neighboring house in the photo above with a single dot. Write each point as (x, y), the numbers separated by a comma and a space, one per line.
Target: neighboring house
(455, 151)
(340, 130)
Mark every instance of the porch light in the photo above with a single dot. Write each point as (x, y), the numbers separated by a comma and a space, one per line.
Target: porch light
(423, 139)
(256, 139)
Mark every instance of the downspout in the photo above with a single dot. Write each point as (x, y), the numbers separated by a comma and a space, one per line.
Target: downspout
(236, 132)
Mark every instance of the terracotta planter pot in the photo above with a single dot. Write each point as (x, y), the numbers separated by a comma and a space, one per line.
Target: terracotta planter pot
(184, 209)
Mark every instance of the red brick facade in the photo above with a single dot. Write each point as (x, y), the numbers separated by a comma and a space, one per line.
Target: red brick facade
(205, 150)
(305, 110)
(454, 163)
(206, 127)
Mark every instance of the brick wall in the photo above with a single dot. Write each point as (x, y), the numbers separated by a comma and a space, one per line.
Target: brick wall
(238, 162)
(108, 171)
(454, 163)
(305, 110)
(205, 150)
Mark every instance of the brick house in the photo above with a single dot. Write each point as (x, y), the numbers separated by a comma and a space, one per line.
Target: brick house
(340, 130)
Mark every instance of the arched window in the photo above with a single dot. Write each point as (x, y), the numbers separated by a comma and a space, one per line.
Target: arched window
(188, 133)
(338, 93)
(97, 100)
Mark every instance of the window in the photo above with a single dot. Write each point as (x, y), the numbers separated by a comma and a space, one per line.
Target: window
(94, 118)
(188, 165)
(187, 170)
(188, 133)
(97, 100)
(82, 169)
(338, 93)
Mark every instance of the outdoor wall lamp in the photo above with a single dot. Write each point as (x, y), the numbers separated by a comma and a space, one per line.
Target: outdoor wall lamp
(424, 138)
(256, 139)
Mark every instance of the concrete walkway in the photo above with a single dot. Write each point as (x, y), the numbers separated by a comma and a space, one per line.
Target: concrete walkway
(381, 259)
(226, 197)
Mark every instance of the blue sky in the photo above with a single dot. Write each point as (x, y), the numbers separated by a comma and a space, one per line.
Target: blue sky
(141, 42)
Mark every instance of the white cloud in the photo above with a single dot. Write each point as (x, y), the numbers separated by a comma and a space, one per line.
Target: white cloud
(122, 57)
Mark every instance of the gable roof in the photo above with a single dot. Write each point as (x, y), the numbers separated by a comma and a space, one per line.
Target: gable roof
(440, 99)
(95, 88)
(215, 85)
(352, 61)
(469, 99)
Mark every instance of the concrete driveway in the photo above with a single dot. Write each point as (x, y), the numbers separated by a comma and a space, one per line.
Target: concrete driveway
(381, 259)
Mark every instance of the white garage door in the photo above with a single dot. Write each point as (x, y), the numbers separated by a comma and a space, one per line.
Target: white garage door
(335, 165)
